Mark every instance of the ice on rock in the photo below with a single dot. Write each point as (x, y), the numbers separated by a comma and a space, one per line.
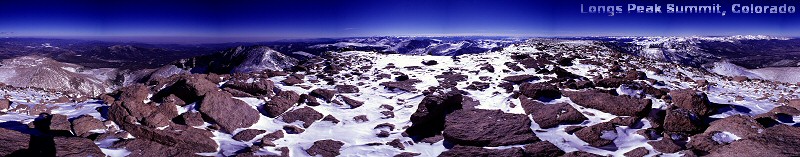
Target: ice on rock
(724, 137)
(609, 135)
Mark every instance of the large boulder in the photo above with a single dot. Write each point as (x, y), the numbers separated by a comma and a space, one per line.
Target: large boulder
(611, 82)
(708, 142)
(180, 137)
(681, 120)
(346, 88)
(580, 154)
(191, 119)
(429, 118)
(405, 85)
(294, 79)
(13, 142)
(190, 88)
(5, 104)
(617, 105)
(325, 148)
(136, 92)
(60, 123)
(280, 103)
(520, 78)
(542, 149)
(76, 147)
(794, 103)
(307, 115)
(246, 135)
(665, 145)
(635, 75)
(172, 100)
(598, 135)
(324, 94)
(551, 115)
(158, 119)
(352, 102)
(145, 148)
(692, 100)
(469, 151)
(218, 106)
(739, 125)
(130, 111)
(779, 140)
(539, 90)
(638, 152)
(255, 87)
(83, 125)
(476, 127)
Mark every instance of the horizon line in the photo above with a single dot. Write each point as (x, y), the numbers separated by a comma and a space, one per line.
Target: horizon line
(255, 39)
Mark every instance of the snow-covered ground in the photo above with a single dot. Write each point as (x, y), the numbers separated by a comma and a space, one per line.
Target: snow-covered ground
(780, 74)
(756, 97)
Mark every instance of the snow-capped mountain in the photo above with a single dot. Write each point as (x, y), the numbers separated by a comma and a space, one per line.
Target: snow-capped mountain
(699, 50)
(46, 73)
(239, 60)
(439, 46)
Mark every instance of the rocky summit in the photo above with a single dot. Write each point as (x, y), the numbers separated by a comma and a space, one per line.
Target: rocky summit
(420, 97)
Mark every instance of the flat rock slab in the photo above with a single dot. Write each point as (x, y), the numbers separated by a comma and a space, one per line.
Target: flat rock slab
(460, 151)
(542, 149)
(539, 90)
(551, 115)
(307, 115)
(617, 105)
(476, 127)
(76, 146)
(520, 78)
(325, 148)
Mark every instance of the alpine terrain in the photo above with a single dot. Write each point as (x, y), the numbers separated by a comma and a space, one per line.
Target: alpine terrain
(403, 97)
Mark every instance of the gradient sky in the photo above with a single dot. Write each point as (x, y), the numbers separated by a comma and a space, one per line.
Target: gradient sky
(330, 18)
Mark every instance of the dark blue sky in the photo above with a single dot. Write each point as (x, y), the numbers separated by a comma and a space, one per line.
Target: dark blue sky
(307, 19)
